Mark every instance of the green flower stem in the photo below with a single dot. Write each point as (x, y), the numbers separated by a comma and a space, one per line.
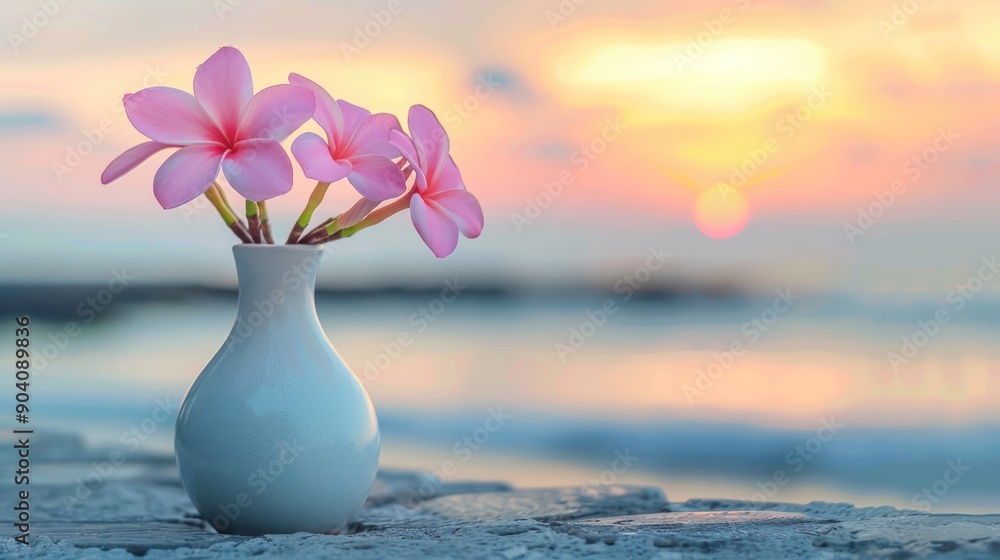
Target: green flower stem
(376, 217)
(215, 196)
(225, 200)
(314, 201)
(265, 222)
(253, 221)
(380, 214)
(326, 228)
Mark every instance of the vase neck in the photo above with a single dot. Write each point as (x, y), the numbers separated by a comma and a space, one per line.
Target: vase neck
(277, 277)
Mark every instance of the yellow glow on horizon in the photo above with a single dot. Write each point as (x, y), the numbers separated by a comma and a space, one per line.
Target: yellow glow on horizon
(727, 76)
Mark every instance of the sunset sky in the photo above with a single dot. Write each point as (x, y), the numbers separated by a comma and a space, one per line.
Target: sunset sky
(736, 134)
(841, 150)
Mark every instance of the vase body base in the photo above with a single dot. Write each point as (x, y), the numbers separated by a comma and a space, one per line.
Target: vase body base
(277, 435)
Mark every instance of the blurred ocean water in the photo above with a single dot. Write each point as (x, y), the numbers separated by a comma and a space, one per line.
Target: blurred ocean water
(757, 398)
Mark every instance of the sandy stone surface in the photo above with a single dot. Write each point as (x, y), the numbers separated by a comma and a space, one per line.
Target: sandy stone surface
(143, 511)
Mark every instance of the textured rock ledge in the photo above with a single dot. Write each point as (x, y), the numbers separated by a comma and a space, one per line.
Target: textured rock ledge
(144, 512)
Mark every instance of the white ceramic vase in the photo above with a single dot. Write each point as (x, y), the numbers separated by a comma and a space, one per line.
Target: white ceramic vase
(277, 435)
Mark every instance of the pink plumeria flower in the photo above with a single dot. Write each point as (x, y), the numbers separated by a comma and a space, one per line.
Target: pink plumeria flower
(440, 207)
(223, 125)
(356, 146)
(363, 207)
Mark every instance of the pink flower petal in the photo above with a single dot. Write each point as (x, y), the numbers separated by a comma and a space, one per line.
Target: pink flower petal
(327, 111)
(402, 142)
(170, 116)
(356, 213)
(314, 157)
(405, 167)
(434, 225)
(130, 159)
(464, 207)
(187, 173)
(372, 137)
(258, 169)
(430, 139)
(448, 178)
(276, 112)
(353, 117)
(376, 177)
(399, 140)
(223, 86)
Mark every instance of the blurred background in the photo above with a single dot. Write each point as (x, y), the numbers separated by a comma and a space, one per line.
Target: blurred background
(739, 249)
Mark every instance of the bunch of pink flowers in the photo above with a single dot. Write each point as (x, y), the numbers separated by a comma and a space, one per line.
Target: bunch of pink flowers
(225, 127)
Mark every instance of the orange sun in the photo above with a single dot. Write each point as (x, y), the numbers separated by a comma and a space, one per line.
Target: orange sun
(721, 212)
